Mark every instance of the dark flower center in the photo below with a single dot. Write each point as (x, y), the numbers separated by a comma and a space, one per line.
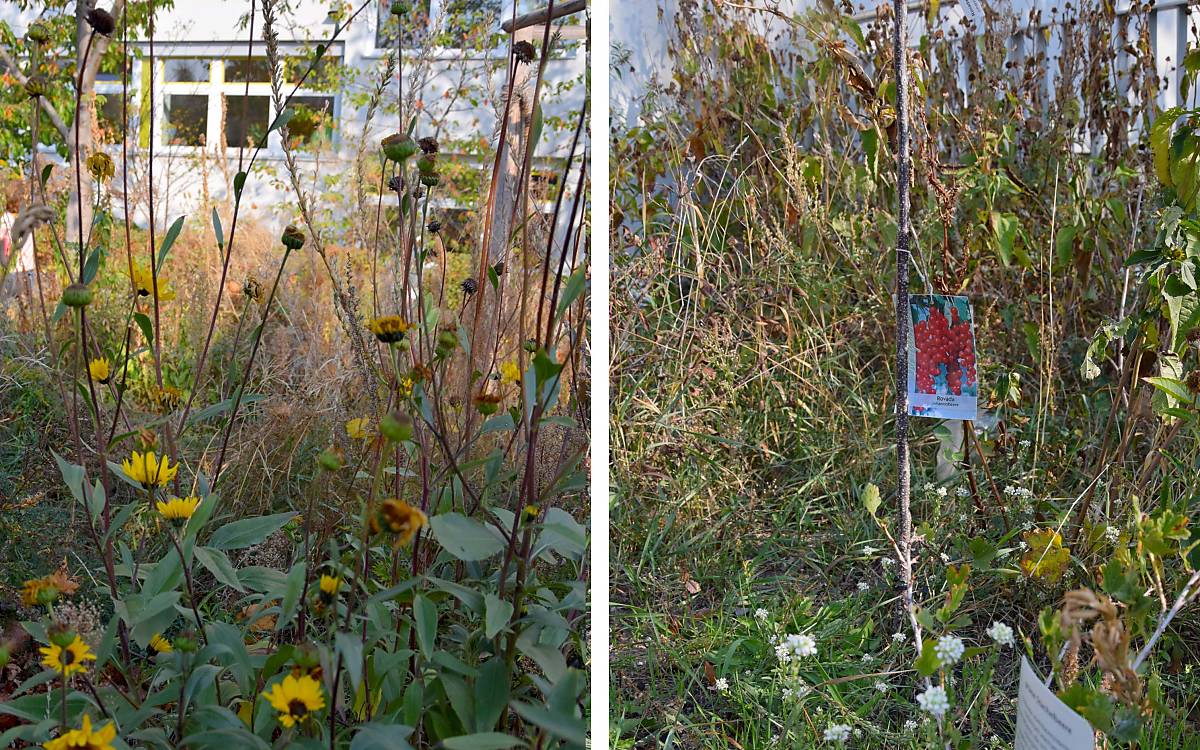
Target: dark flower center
(68, 657)
(297, 707)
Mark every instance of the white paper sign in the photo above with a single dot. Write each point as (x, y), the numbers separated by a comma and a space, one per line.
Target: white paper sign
(1046, 723)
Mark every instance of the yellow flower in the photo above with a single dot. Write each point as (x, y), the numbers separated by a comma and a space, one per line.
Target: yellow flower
(100, 165)
(160, 644)
(330, 584)
(84, 738)
(67, 661)
(47, 589)
(358, 429)
(146, 469)
(510, 373)
(143, 281)
(406, 386)
(178, 509)
(388, 328)
(401, 519)
(99, 370)
(295, 698)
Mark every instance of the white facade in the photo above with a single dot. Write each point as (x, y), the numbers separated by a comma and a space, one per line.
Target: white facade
(641, 31)
(199, 80)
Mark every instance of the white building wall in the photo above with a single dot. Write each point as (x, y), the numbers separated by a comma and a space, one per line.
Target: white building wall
(215, 29)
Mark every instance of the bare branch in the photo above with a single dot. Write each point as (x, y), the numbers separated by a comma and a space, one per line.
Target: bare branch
(55, 119)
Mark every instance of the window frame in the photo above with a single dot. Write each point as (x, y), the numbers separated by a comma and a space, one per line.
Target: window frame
(218, 87)
(443, 54)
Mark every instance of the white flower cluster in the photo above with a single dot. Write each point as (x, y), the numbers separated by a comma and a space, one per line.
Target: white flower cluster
(1001, 633)
(899, 637)
(1112, 534)
(795, 646)
(721, 685)
(962, 491)
(798, 691)
(949, 649)
(864, 586)
(761, 614)
(910, 725)
(934, 701)
(882, 686)
(837, 733)
(869, 550)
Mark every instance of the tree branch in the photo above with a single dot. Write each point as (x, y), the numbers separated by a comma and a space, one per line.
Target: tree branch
(55, 119)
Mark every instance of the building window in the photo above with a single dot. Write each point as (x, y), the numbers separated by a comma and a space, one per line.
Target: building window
(416, 24)
(186, 120)
(209, 101)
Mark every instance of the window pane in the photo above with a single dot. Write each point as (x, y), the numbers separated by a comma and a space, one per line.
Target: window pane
(469, 23)
(246, 120)
(254, 70)
(415, 24)
(294, 69)
(187, 119)
(181, 70)
(313, 116)
(108, 113)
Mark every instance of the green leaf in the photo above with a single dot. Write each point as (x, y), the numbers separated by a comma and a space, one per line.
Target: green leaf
(482, 741)
(499, 611)
(248, 531)
(282, 119)
(378, 735)
(350, 647)
(1004, 227)
(217, 230)
(570, 728)
(291, 595)
(92, 265)
(172, 235)
(928, 662)
(465, 538)
(425, 618)
(573, 288)
(147, 327)
(1160, 138)
(870, 498)
(217, 562)
(492, 688)
(239, 183)
(1175, 389)
(221, 407)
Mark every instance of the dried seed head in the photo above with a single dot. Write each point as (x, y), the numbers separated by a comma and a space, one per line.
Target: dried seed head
(469, 286)
(36, 86)
(434, 226)
(100, 166)
(101, 21)
(395, 183)
(293, 237)
(428, 144)
(524, 52)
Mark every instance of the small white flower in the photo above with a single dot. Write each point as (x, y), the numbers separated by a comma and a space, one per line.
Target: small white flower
(783, 653)
(962, 491)
(868, 658)
(1112, 534)
(941, 491)
(1001, 633)
(928, 487)
(934, 701)
(721, 685)
(869, 550)
(801, 645)
(910, 725)
(788, 693)
(945, 558)
(1025, 443)
(882, 686)
(899, 637)
(888, 562)
(761, 614)
(864, 586)
(857, 732)
(837, 733)
(949, 649)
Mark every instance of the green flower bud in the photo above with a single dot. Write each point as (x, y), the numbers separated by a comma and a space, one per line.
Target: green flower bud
(399, 8)
(77, 295)
(397, 427)
(330, 459)
(293, 237)
(36, 86)
(186, 642)
(61, 635)
(398, 147)
(38, 32)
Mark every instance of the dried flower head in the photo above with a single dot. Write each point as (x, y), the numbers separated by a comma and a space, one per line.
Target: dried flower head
(100, 166)
(399, 518)
(428, 145)
(524, 51)
(101, 21)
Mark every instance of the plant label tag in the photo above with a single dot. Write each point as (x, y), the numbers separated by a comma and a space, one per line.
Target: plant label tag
(942, 381)
(1046, 723)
